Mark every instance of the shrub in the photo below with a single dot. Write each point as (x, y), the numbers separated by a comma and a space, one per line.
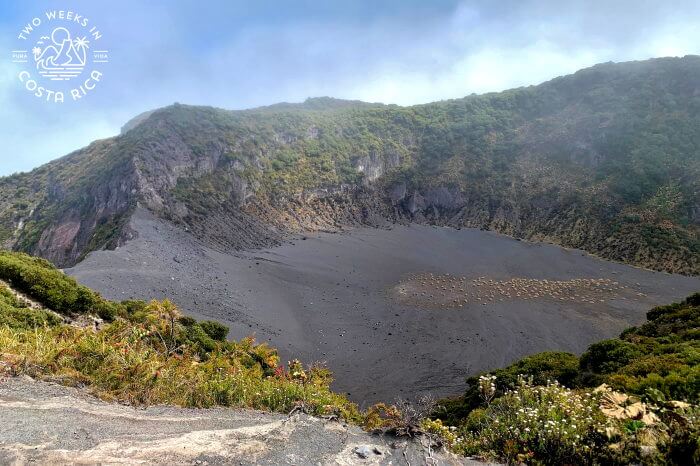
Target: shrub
(157, 359)
(658, 361)
(609, 356)
(26, 318)
(543, 367)
(17, 315)
(215, 330)
(55, 290)
(547, 424)
(555, 425)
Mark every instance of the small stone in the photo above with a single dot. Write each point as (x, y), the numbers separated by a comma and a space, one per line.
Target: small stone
(363, 451)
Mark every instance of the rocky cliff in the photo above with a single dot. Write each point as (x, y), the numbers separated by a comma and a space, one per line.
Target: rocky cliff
(606, 160)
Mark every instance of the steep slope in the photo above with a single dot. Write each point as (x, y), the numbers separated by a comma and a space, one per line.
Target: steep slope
(605, 160)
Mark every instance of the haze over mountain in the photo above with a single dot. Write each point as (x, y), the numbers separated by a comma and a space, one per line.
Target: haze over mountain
(401, 251)
(604, 160)
(241, 55)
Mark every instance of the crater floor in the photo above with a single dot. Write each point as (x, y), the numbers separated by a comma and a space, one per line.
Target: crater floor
(360, 301)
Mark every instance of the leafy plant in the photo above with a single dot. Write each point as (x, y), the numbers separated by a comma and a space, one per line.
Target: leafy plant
(535, 419)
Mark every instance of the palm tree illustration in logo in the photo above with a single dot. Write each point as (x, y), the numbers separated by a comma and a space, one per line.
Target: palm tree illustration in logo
(64, 58)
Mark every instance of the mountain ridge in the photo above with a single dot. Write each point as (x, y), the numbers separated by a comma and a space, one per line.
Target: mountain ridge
(604, 160)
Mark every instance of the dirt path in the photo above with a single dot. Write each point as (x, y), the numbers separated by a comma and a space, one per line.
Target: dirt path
(46, 423)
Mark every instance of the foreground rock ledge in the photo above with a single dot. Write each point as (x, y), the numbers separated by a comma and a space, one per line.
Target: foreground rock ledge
(51, 424)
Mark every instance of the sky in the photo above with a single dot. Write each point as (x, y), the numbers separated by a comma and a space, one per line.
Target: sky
(242, 54)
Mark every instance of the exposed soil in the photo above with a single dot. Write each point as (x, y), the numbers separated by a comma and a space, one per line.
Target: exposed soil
(43, 423)
(332, 298)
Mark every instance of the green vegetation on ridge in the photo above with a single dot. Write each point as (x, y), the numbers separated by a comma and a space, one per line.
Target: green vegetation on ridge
(38, 278)
(662, 355)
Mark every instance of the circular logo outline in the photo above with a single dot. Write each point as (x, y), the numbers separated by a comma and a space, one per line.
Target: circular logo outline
(62, 54)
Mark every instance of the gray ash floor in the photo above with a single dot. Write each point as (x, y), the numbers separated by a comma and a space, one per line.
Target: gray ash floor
(330, 298)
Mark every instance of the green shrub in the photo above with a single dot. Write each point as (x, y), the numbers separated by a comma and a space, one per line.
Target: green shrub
(215, 330)
(543, 367)
(553, 425)
(26, 318)
(198, 338)
(51, 287)
(16, 314)
(658, 361)
(543, 425)
(609, 356)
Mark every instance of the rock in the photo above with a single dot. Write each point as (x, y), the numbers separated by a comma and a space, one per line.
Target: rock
(364, 451)
(647, 451)
(124, 435)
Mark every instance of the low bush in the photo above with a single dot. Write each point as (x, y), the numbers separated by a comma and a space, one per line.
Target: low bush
(656, 362)
(543, 367)
(55, 290)
(16, 314)
(215, 330)
(157, 359)
(554, 425)
(609, 356)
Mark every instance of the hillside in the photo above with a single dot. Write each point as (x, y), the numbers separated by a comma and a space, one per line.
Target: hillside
(657, 359)
(143, 352)
(605, 160)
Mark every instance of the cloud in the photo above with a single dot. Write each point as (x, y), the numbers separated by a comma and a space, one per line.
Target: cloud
(236, 54)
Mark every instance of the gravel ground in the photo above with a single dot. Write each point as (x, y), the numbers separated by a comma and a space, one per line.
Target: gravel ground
(44, 423)
(330, 297)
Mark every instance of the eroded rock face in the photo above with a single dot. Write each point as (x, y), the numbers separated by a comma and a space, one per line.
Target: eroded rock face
(95, 213)
(247, 220)
(93, 217)
(59, 241)
(375, 165)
